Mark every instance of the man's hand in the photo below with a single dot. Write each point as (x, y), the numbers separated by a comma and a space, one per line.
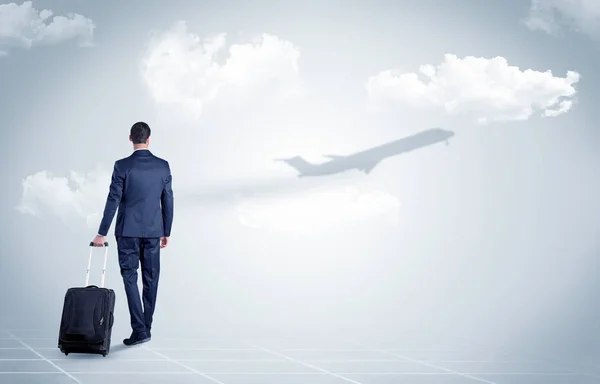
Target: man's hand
(99, 241)
(164, 241)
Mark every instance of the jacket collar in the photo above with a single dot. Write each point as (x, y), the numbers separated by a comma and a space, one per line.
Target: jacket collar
(141, 152)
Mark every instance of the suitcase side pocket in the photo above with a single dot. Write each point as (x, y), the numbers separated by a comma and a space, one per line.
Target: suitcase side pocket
(84, 317)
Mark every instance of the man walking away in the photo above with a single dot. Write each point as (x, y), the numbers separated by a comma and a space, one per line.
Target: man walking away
(141, 189)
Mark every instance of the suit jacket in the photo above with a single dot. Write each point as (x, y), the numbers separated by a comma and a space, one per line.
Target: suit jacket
(141, 189)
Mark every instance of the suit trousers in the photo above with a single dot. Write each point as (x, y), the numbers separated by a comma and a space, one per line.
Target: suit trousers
(133, 252)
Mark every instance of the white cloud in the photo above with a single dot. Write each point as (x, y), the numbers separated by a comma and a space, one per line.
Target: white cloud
(183, 70)
(23, 26)
(488, 90)
(74, 200)
(551, 15)
(318, 210)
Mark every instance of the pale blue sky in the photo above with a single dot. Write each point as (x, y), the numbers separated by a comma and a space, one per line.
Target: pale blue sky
(496, 231)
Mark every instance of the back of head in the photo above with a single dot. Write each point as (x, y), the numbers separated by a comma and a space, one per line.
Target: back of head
(140, 133)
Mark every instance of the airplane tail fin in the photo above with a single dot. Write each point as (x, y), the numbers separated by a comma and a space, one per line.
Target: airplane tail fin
(298, 163)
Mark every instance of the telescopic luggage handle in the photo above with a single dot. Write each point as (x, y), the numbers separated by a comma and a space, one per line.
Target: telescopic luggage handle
(87, 272)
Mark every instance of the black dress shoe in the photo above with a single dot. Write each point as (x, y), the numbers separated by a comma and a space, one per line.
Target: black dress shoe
(137, 338)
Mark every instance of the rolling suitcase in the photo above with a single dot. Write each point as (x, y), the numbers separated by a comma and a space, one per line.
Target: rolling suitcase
(87, 316)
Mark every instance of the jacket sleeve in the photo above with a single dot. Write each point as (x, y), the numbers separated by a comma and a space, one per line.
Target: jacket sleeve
(115, 194)
(166, 201)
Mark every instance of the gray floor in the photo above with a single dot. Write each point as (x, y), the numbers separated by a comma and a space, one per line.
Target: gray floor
(31, 356)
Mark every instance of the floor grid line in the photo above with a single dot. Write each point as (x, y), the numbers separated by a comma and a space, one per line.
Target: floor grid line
(434, 366)
(336, 374)
(552, 363)
(395, 360)
(73, 378)
(307, 365)
(167, 358)
(279, 359)
(562, 365)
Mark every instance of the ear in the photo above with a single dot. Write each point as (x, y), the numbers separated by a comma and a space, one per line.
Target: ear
(148, 141)
(130, 138)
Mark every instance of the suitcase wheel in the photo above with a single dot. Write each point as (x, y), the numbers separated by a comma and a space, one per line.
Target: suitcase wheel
(104, 354)
(66, 353)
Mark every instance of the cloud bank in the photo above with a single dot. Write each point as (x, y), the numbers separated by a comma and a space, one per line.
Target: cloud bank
(23, 26)
(184, 70)
(487, 90)
(318, 210)
(75, 200)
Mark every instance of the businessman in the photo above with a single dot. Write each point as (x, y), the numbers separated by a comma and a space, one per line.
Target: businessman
(141, 190)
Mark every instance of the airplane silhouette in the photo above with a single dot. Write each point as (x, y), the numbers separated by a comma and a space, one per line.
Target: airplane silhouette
(366, 160)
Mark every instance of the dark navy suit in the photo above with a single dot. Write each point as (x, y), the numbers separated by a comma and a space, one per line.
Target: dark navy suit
(141, 190)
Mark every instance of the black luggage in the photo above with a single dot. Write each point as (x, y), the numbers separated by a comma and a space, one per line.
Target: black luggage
(88, 316)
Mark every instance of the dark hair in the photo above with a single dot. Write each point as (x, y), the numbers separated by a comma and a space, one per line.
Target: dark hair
(140, 132)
